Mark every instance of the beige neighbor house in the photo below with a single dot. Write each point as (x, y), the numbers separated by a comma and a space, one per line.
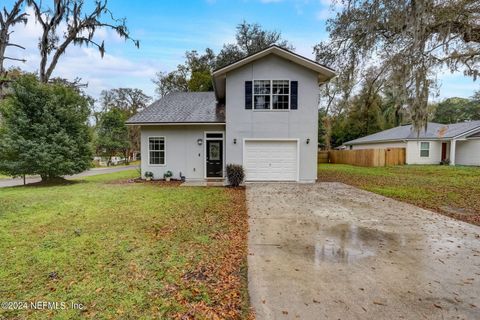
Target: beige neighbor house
(263, 115)
(457, 144)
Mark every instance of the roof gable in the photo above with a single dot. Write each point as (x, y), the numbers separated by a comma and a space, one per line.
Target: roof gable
(219, 75)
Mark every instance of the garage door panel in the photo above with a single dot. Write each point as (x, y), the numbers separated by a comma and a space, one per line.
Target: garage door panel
(271, 160)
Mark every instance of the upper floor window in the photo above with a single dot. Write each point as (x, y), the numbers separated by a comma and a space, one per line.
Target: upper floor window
(271, 94)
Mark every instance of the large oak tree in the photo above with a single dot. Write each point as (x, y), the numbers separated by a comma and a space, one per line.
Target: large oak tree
(195, 74)
(412, 40)
(128, 101)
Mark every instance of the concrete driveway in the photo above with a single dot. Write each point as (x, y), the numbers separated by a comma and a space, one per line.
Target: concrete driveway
(92, 172)
(331, 251)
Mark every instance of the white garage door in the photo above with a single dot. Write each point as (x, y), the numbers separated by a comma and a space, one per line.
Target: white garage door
(270, 160)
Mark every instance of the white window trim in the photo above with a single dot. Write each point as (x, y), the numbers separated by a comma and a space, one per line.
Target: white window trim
(205, 153)
(420, 148)
(271, 95)
(164, 151)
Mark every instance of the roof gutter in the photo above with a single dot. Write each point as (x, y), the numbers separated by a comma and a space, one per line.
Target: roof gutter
(396, 140)
(474, 130)
(374, 142)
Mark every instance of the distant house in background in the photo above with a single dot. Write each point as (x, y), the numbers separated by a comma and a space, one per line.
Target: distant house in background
(457, 143)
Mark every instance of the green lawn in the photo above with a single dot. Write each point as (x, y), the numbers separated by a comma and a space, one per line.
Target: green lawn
(124, 250)
(453, 191)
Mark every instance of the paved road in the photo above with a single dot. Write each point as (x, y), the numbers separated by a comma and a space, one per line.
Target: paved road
(91, 172)
(331, 251)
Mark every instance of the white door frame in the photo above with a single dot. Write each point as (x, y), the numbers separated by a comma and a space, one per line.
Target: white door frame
(205, 153)
(297, 140)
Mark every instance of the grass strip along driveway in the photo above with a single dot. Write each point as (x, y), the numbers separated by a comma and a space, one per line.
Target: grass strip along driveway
(453, 191)
(124, 250)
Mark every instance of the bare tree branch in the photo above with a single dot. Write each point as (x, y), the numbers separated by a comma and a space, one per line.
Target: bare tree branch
(81, 29)
(15, 45)
(15, 59)
(8, 19)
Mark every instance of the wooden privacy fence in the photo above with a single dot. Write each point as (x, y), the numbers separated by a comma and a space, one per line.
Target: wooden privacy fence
(365, 157)
(322, 156)
(395, 156)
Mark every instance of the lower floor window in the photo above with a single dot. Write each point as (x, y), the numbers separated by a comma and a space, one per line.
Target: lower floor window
(424, 149)
(156, 149)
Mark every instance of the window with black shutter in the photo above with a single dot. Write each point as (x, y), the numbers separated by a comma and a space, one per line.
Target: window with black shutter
(293, 95)
(248, 95)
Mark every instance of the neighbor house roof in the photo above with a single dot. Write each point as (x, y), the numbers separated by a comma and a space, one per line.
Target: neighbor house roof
(219, 75)
(182, 107)
(434, 131)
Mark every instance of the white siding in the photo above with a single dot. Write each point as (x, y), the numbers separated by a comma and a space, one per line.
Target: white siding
(299, 124)
(413, 152)
(379, 145)
(182, 152)
(468, 152)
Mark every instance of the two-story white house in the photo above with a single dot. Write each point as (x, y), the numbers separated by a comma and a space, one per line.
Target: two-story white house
(263, 115)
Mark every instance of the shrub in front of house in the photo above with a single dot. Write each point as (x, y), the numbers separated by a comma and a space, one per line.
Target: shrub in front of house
(235, 174)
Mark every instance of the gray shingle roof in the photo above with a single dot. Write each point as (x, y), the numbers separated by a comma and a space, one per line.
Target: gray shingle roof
(434, 131)
(182, 107)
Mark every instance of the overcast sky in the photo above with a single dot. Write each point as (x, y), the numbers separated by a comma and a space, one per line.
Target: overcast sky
(166, 29)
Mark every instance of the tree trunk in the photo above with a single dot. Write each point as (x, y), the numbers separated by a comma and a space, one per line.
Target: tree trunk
(127, 155)
(328, 132)
(397, 116)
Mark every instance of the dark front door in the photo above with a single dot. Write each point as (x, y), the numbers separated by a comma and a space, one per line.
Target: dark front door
(214, 158)
(444, 151)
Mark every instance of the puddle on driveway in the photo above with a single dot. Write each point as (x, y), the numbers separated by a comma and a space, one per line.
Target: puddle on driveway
(344, 243)
(331, 251)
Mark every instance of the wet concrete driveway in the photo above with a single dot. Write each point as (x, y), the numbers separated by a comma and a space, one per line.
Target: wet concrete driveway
(331, 251)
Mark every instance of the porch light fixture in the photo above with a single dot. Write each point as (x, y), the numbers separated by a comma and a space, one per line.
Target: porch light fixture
(235, 141)
(199, 142)
(308, 140)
